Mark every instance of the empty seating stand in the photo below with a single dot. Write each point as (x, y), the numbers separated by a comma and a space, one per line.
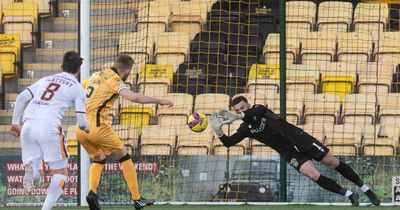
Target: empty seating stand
(10, 54)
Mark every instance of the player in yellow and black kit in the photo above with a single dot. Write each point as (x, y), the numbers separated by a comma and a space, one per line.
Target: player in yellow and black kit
(102, 89)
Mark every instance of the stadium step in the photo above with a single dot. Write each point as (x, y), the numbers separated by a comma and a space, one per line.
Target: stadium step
(5, 133)
(59, 24)
(5, 117)
(10, 100)
(59, 40)
(39, 70)
(24, 83)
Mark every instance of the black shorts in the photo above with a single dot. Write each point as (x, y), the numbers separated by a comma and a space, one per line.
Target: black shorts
(306, 148)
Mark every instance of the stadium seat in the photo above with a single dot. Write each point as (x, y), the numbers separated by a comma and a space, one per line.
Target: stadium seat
(271, 49)
(22, 18)
(191, 143)
(129, 135)
(389, 109)
(227, 16)
(155, 79)
(43, 5)
(153, 16)
(354, 47)
(388, 48)
(10, 51)
(344, 140)
(135, 116)
(334, 16)
(157, 140)
(321, 108)
(317, 47)
(257, 86)
(139, 45)
(302, 79)
(238, 149)
(359, 109)
(208, 47)
(370, 17)
(294, 107)
(263, 19)
(260, 149)
(379, 146)
(301, 15)
(228, 79)
(178, 113)
(72, 141)
(172, 48)
(318, 131)
(192, 79)
(374, 78)
(339, 85)
(208, 103)
(263, 77)
(188, 17)
(261, 98)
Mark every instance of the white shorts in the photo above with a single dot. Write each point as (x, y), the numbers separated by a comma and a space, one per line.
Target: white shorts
(43, 140)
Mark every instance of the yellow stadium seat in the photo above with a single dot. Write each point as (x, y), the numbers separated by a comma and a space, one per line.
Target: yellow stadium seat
(271, 49)
(321, 108)
(157, 140)
(317, 47)
(135, 44)
(260, 149)
(334, 16)
(354, 47)
(72, 141)
(300, 14)
(135, 116)
(302, 79)
(388, 48)
(208, 103)
(359, 109)
(389, 109)
(258, 86)
(178, 113)
(374, 78)
(188, 17)
(370, 17)
(238, 149)
(344, 140)
(43, 5)
(339, 85)
(21, 17)
(172, 48)
(191, 143)
(10, 51)
(155, 79)
(379, 146)
(260, 98)
(153, 16)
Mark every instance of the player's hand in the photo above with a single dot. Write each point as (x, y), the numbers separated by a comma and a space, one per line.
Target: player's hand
(216, 124)
(165, 102)
(15, 130)
(229, 116)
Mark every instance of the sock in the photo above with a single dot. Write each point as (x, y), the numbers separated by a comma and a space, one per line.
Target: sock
(54, 191)
(347, 172)
(330, 185)
(364, 188)
(348, 193)
(129, 172)
(95, 174)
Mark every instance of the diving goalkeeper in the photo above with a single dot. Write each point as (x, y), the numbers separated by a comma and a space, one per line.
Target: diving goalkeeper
(293, 144)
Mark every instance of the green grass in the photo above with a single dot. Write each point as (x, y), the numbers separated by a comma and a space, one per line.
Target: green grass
(241, 207)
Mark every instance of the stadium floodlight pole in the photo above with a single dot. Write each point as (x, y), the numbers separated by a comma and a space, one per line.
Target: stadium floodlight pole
(84, 50)
(282, 91)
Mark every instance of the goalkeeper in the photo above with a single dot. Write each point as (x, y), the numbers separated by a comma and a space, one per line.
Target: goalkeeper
(297, 147)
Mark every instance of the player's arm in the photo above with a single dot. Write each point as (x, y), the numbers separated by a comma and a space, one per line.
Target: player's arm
(216, 124)
(80, 111)
(142, 99)
(22, 100)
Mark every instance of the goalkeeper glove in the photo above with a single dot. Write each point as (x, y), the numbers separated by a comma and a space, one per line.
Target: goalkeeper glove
(229, 116)
(216, 124)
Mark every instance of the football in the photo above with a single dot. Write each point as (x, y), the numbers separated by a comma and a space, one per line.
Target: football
(197, 122)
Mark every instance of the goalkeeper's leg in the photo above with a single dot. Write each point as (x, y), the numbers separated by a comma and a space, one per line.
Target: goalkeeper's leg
(308, 169)
(347, 172)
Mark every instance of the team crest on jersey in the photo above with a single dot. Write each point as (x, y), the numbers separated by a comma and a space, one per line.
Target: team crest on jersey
(294, 162)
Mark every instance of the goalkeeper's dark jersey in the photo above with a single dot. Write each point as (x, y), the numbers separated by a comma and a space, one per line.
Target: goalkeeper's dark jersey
(265, 126)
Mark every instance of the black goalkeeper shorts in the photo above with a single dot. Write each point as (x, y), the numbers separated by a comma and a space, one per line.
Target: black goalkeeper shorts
(307, 148)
